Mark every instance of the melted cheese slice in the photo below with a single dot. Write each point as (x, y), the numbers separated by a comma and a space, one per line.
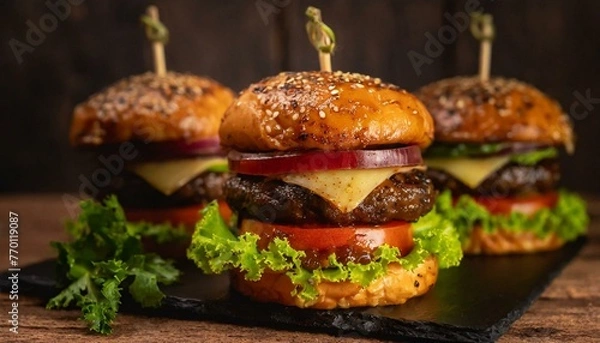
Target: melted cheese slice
(345, 189)
(471, 171)
(169, 176)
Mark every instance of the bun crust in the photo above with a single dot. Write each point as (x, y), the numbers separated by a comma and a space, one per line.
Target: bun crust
(152, 109)
(465, 110)
(324, 111)
(394, 288)
(504, 242)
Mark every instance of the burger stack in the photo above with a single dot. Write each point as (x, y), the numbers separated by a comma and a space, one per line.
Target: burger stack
(496, 154)
(334, 205)
(168, 126)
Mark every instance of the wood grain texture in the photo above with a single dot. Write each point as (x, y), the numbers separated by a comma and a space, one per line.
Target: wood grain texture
(568, 311)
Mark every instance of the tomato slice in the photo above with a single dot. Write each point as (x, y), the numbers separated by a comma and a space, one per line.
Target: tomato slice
(527, 205)
(187, 216)
(397, 234)
(298, 162)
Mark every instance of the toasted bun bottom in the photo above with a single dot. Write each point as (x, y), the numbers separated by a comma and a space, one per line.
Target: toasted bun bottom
(395, 287)
(505, 242)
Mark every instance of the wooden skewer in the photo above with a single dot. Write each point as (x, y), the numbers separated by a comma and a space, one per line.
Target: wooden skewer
(482, 28)
(325, 61)
(321, 37)
(158, 48)
(485, 56)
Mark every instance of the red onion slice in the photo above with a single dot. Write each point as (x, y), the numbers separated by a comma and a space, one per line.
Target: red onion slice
(182, 148)
(298, 162)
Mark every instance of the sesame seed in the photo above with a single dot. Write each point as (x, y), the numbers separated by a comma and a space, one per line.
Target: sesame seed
(275, 114)
(269, 112)
(331, 87)
(322, 114)
(336, 109)
(277, 127)
(295, 116)
(415, 112)
(268, 128)
(302, 109)
(377, 81)
(334, 92)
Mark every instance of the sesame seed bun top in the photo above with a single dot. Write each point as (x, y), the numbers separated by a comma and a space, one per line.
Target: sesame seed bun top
(466, 110)
(151, 108)
(324, 111)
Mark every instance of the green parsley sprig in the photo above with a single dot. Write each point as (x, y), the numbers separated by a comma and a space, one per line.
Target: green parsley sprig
(105, 256)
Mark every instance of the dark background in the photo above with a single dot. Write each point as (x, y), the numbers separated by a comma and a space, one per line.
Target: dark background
(552, 44)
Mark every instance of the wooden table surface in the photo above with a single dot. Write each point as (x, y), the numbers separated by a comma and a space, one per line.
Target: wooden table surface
(568, 311)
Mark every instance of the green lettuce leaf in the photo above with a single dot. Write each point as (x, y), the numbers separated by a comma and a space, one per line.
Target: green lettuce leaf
(462, 149)
(568, 219)
(532, 158)
(160, 233)
(529, 158)
(218, 168)
(437, 236)
(215, 249)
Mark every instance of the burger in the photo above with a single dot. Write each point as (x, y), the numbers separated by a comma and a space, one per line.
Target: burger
(158, 137)
(334, 208)
(495, 154)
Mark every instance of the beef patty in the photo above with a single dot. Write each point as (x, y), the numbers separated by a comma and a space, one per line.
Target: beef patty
(404, 196)
(511, 180)
(134, 192)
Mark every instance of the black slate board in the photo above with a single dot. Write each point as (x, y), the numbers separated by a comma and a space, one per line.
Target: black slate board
(476, 302)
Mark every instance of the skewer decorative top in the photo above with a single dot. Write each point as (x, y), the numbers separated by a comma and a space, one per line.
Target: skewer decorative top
(158, 34)
(320, 36)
